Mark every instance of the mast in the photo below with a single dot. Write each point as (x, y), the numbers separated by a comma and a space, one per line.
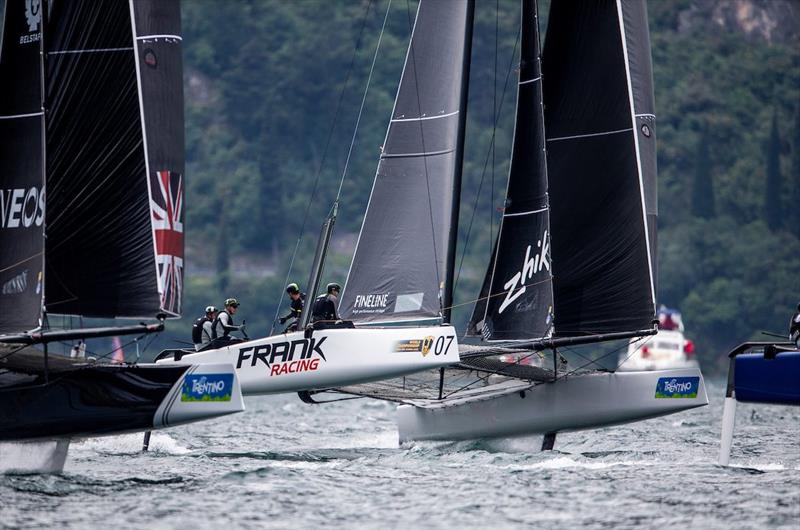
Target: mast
(447, 299)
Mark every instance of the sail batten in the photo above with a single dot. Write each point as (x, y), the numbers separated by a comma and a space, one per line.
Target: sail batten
(400, 267)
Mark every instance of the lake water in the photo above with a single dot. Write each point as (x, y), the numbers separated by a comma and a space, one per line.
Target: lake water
(284, 464)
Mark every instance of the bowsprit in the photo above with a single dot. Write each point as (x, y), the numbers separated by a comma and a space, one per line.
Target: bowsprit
(285, 357)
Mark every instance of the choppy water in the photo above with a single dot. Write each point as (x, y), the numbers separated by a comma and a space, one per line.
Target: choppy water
(283, 464)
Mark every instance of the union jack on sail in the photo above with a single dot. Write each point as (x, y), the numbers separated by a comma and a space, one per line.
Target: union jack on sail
(166, 210)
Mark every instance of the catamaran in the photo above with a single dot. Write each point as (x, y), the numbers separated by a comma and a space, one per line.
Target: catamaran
(574, 261)
(91, 110)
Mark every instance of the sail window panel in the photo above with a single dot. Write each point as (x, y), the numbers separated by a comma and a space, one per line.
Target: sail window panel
(403, 245)
(601, 272)
(22, 193)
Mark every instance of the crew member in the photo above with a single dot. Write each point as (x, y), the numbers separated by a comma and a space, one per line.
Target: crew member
(223, 325)
(324, 309)
(794, 328)
(201, 329)
(295, 309)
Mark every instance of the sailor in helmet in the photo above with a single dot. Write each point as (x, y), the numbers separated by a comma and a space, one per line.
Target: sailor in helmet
(201, 329)
(295, 309)
(323, 312)
(224, 325)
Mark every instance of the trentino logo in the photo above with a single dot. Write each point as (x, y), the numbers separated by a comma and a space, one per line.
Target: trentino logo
(677, 387)
(207, 387)
(530, 266)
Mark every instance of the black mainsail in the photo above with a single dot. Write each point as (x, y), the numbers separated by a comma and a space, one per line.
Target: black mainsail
(402, 267)
(600, 123)
(22, 190)
(516, 300)
(600, 174)
(113, 157)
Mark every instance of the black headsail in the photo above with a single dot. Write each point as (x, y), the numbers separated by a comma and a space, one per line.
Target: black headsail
(403, 260)
(114, 158)
(22, 191)
(600, 123)
(517, 296)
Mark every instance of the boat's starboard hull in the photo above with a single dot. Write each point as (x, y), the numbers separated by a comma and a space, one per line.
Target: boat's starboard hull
(329, 358)
(577, 402)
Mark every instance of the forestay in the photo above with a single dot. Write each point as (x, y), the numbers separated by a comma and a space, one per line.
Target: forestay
(400, 268)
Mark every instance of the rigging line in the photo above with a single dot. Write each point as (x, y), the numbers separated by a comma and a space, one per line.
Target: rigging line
(422, 141)
(21, 262)
(324, 157)
(363, 101)
(485, 165)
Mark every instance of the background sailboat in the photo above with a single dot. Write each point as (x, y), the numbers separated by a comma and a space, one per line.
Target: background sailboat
(574, 260)
(91, 121)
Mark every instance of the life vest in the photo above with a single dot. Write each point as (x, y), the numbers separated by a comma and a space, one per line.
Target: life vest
(224, 332)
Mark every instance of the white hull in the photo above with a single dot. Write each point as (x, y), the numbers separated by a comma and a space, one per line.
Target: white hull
(332, 358)
(515, 408)
(45, 456)
(195, 396)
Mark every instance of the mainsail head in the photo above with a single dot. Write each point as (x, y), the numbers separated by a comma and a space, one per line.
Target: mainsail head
(400, 267)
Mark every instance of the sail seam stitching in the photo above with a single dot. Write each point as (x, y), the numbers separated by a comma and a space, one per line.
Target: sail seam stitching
(604, 133)
(423, 118)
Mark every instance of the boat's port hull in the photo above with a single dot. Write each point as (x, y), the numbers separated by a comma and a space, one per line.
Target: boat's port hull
(97, 400)
(577, 402)
(328, 358)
